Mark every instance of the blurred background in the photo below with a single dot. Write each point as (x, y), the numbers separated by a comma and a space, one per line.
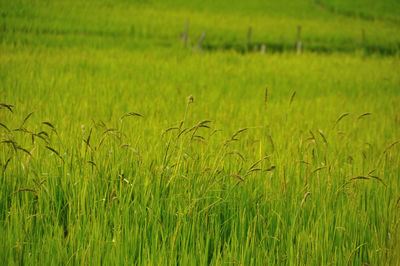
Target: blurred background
(320, 25)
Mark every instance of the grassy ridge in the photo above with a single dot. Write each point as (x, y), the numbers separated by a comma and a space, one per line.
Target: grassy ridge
(370, 10)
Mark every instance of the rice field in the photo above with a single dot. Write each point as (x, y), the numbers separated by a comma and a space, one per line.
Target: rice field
(120, 146)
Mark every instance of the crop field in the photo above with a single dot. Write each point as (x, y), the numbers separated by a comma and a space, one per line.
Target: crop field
(200, 132)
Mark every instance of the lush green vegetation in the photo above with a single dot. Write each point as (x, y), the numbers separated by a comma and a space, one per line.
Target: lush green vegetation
(146, 23)
(371, 10)
(139, 151)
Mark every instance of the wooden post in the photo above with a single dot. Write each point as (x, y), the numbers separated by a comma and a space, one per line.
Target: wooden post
(248, 39)
(202, 39)
(364, 42)
(263, 49)
(298, 41)
(255, 48)
(185, 34)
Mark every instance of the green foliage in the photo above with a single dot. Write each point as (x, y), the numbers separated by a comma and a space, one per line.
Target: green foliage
(139, 151)
(387, 10)
(139, 24)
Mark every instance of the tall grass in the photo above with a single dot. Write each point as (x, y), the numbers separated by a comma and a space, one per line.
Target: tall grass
(118, 146)
(117, 165)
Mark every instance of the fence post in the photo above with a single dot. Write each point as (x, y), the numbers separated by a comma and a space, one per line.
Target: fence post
(364, 42)
(298, 41)
(263, 49)
(202, 39)
(185, 34)
(248, 39)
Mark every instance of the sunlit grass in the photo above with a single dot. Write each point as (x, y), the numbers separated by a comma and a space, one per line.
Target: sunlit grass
(119, 148)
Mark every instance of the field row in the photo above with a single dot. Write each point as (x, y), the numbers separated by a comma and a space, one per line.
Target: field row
(140, 25)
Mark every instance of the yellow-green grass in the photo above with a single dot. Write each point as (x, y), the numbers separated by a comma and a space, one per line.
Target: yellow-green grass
(131, 24)
(118, 146)
(139, 194)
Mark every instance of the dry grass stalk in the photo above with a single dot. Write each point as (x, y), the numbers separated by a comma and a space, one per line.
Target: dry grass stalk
(292, 97)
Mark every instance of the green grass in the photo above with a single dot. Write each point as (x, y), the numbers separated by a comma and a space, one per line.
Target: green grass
(313, 179)
(370, 10)
(138, 23)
